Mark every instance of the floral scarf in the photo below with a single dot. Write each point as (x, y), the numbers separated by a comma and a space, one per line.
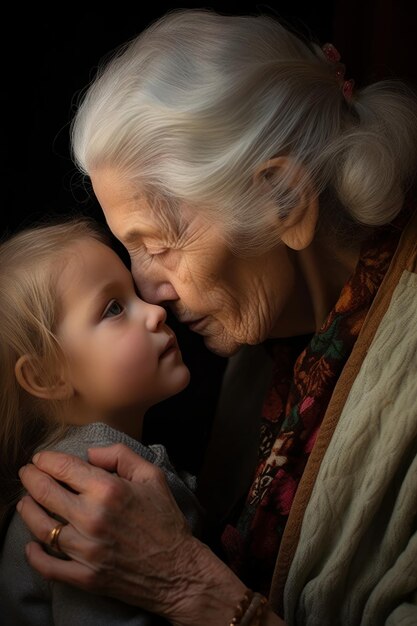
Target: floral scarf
(306, 370)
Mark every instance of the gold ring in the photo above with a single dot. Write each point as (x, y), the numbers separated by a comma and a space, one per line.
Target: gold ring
(54, 536)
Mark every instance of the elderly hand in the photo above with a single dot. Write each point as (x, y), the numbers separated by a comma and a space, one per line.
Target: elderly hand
(125, 536)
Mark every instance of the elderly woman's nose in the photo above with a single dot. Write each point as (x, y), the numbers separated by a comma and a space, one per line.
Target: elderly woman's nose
(152, 288)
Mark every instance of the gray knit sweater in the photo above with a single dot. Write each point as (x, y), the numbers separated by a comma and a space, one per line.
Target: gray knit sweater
(26, 599)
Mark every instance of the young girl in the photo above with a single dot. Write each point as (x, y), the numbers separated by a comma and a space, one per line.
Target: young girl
(82, 358)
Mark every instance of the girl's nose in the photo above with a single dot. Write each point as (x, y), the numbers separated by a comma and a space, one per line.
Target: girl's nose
(155, 316)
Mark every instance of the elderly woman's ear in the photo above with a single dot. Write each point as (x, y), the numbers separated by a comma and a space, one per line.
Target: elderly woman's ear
(297, 226)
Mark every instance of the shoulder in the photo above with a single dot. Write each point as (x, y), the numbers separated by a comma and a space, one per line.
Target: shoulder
(78, 439)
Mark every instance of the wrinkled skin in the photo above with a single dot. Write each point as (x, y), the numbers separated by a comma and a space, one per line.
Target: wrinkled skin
(126, 536)
(229, 300)
(160, 562)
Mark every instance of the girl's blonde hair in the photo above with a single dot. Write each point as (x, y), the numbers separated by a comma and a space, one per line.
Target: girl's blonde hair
(30, 265)
(191, 108)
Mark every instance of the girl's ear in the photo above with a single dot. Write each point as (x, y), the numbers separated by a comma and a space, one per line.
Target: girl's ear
(29, 376)
(297, 228)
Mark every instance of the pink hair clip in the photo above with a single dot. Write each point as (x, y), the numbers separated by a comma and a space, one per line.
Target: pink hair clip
(331, 53)
(347, 89)
(333, 56)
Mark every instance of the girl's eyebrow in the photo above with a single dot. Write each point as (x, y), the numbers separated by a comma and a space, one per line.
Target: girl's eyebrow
(107, 286)
(101, 291)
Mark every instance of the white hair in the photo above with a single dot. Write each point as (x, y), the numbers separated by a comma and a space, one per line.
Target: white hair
(192, 107)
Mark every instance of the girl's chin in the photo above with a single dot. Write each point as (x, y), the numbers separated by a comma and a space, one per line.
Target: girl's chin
(182, 379)
(186, 377)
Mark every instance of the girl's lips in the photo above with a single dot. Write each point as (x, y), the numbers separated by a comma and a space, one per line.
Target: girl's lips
(171, 346)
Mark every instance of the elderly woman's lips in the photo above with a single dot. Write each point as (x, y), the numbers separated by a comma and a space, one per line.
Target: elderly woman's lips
(197, 325)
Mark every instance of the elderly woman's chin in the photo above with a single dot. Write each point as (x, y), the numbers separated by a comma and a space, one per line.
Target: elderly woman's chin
(226, 337)
(223, 344)
(222, 349)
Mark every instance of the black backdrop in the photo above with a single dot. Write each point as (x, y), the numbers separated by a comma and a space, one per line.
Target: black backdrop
(50, 55)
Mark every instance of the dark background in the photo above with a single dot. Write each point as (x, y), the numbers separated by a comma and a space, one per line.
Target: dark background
(50, 55)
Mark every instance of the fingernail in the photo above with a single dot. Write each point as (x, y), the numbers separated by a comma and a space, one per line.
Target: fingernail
(19, 506)
(35, 457)
(20, 472)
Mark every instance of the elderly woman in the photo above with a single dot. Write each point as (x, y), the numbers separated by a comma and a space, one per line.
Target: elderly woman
(269, 204)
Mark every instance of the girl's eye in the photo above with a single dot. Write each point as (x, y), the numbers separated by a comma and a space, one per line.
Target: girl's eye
(113, 309)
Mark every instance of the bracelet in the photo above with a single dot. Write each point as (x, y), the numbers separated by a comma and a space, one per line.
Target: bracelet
(250, 609)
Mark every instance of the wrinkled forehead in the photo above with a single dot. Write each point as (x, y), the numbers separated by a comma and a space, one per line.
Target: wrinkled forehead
(116, 196)
(128, 207)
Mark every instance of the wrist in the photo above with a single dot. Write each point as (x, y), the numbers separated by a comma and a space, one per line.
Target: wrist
(253, 610)
(211, 594)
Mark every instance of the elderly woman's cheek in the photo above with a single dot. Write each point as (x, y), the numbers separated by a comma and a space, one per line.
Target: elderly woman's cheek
(256, 324)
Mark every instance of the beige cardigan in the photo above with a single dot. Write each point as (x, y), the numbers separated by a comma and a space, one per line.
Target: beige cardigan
(349, 551)
(348, 556)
